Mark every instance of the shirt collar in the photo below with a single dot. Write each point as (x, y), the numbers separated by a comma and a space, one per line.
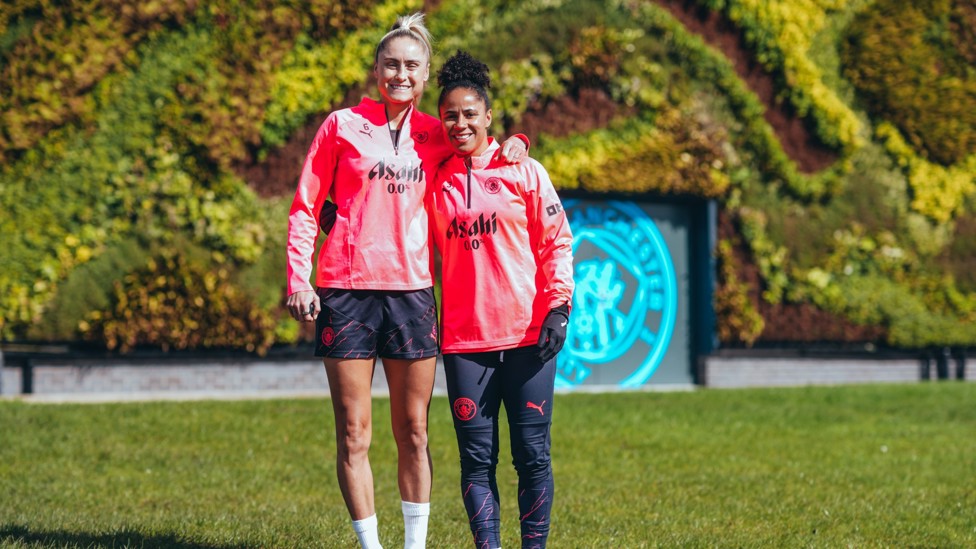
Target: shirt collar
(484, 159)
(376, 113)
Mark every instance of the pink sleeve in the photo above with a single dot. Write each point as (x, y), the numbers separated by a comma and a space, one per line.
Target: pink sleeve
(549, 234)
(313, 188)
(440, 150)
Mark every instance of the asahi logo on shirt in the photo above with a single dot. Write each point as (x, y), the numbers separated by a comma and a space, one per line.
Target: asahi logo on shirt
(388, 171)
(476, 227)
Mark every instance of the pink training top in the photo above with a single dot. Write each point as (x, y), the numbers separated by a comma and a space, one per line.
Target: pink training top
(506, 248)
(379, 241)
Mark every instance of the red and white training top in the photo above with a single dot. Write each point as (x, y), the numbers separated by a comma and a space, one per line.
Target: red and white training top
(379, 241)
(506, 249)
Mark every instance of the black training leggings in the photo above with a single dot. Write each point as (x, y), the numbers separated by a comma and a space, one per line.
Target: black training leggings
(477, 385)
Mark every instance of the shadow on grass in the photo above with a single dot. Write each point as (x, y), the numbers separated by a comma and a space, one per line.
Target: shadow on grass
(112, 540)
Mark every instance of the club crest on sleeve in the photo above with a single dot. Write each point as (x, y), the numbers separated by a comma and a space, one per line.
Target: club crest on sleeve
(420, 137)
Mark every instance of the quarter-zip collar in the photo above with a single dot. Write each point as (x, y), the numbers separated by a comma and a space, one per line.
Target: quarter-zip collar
(467, 193)
(481, 161)
(477, 162)
(397, 135)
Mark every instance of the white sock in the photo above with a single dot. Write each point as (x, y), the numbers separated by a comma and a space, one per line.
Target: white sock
(415, 517)
(366, 531)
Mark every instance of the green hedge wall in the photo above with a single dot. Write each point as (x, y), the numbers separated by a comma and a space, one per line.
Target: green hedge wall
(139, 146)
(127, 219)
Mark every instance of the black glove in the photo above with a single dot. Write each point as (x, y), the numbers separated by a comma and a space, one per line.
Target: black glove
(327, 216)
(553, 333)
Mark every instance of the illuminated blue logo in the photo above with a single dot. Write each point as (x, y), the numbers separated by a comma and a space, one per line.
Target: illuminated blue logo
(625, 301)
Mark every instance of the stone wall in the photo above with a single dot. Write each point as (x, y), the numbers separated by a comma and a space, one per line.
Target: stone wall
(54, 379)
(170, 378)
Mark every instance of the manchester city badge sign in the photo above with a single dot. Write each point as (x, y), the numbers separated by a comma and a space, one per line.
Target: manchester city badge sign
(625, 301)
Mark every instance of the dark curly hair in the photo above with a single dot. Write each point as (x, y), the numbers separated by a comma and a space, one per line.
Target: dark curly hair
(464, 71)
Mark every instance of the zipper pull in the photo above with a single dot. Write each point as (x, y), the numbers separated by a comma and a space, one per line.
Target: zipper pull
(468, 194)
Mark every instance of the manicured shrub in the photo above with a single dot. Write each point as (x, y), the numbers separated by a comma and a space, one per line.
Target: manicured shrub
(889, 55)
(87, 288)
(180, 299)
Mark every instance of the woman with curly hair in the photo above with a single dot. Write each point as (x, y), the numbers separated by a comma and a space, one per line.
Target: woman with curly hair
(507, 281)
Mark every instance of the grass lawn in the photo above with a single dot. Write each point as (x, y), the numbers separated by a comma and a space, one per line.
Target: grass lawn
(857, 466)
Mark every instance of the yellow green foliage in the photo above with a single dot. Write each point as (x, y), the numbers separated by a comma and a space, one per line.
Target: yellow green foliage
(907, 314)
(47, 73)
(148, 151)
(938, 192)
(318, 71)
(174, 302)
(597, 53)
(522, 83)
(131, 147)
(738, 321)
(911, 63)
(314, 76)
(51, 70)
(772, 258)
(783, 32)
(674, 154)
(76, 193)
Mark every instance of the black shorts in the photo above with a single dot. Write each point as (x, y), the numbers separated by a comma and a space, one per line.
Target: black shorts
(371, 323)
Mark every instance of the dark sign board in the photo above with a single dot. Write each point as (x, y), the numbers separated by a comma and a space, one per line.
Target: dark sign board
(633, 306)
